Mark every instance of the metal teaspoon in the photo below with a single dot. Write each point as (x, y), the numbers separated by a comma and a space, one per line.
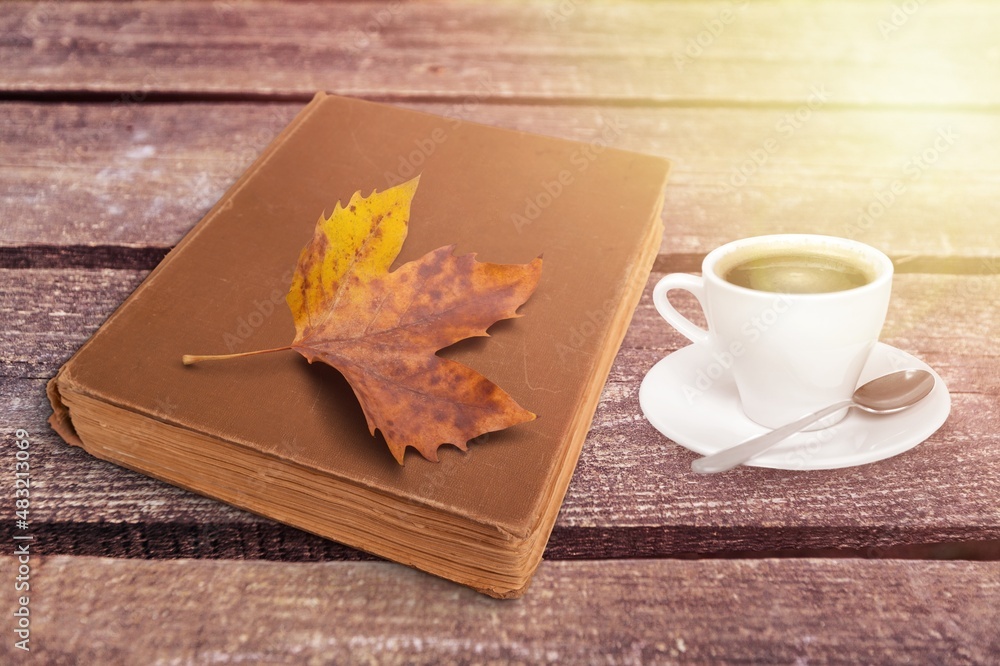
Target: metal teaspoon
(884, 395)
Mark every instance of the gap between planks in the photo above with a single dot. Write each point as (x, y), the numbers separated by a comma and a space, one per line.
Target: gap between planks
(115, 97)
(274, 542)
(131, 257)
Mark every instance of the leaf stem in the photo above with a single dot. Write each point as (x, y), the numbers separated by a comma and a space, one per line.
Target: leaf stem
(189, 359)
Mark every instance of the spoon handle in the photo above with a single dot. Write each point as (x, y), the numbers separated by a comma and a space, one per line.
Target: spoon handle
(739, 454)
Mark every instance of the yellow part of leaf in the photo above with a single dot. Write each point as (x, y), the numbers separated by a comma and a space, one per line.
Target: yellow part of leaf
(355, 244)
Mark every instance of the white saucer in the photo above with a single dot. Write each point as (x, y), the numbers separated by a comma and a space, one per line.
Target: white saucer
(711, 420)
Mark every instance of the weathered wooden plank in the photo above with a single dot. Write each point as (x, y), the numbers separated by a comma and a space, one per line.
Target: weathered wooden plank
(93, 610)
(762, 52)
(632, 495)
(949, 320)
(142, 175)
(633, 492)
(40, 308)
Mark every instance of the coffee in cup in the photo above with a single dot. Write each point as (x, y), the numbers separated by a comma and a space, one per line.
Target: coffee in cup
(791, 271)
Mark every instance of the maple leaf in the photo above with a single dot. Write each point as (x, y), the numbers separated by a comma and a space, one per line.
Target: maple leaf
(382, 329)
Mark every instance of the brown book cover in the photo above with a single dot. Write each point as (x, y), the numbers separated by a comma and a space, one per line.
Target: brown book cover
(288, 440)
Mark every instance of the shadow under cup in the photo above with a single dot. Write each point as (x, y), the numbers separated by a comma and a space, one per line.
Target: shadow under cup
(790, 354)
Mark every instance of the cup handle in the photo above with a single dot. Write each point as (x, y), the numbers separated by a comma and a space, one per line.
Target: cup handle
(691, 283)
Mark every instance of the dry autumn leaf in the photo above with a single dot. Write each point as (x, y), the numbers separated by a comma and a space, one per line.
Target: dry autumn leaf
(382, 329)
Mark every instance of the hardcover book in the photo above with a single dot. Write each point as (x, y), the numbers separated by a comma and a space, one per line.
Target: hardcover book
(287, 439)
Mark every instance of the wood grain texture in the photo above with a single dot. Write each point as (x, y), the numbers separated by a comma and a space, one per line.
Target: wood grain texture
(136, 175)
(632, 496)
(92, 610)
(633, 493)
(949, 320)
(706, 52)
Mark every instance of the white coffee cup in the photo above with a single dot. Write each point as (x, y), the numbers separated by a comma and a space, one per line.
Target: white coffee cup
(789, 353)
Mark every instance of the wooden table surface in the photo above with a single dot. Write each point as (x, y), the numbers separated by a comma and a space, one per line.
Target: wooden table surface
(122, 123)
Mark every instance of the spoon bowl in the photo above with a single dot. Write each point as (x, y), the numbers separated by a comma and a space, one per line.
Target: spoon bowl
(894, 392)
